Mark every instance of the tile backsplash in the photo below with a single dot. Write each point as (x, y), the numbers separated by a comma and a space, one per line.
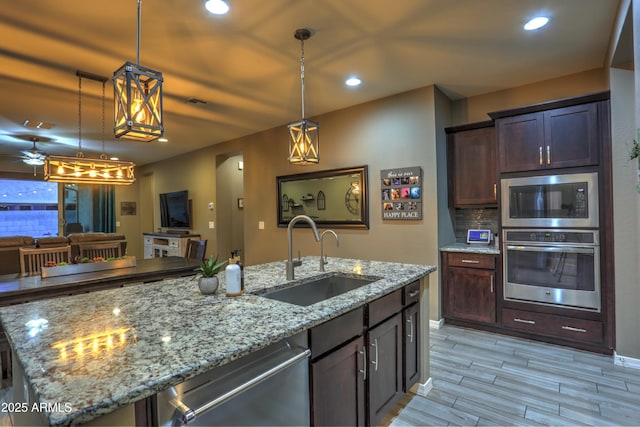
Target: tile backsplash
(482, 218)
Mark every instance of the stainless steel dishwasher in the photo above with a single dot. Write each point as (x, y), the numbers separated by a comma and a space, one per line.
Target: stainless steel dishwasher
(268, 387)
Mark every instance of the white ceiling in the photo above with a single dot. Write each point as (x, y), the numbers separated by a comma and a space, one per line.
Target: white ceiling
(246, 65)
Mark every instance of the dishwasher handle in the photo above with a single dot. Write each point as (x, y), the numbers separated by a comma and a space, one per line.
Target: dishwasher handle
(186, 414)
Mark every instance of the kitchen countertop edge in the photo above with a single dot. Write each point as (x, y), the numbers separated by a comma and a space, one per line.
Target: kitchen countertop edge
(467, 248)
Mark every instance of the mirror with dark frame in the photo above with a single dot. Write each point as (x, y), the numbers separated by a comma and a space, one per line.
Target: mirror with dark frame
(332, 198)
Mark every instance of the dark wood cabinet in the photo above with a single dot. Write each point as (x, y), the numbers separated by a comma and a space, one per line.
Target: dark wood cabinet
(360, 361)
(472, 166)
(564, 327)
(338, 387)
(411, 349)
(557, 138)
(469, 287)
(385, 367)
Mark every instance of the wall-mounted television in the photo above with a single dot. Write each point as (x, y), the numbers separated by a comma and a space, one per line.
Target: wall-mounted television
(175, 211)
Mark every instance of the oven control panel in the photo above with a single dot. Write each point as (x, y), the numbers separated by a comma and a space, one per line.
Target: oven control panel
(552, 236)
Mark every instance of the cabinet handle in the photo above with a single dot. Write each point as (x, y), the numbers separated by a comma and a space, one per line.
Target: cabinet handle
(470, 261)
(363, 371)
(492, 284)
(375, 362)
(572, 329)
(548, 155)
(495, 192)
(410, 322)
(540, 161)
(528, 322)
(414, 294)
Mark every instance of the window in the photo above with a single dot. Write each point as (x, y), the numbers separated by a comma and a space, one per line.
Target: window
(28, 208)
(35, 208)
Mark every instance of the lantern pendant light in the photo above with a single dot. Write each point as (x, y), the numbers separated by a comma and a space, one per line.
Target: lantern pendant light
(138, 99)
(304, 134)
(84, 170)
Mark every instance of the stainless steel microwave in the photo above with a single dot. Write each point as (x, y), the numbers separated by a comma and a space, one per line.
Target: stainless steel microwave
(551, 201)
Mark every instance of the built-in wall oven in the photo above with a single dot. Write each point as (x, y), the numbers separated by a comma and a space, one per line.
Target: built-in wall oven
(552, 267)
(551, 201)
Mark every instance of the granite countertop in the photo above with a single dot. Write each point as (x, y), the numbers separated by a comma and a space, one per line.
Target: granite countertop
(97, 352)
(476, 249)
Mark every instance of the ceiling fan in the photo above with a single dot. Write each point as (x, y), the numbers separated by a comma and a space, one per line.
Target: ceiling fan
(33, 157)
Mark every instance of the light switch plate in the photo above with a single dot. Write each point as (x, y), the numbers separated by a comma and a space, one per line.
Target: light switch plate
(260, 225)
(212, 224)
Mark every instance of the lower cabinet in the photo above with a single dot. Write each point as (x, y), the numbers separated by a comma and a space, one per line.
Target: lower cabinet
(338, 387)
(385, 367)
(568, 328)
(411, 349)
(363, 361)
(469, 287)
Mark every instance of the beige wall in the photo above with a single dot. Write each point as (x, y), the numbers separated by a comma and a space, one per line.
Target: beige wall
(625, 127)
(475, 109)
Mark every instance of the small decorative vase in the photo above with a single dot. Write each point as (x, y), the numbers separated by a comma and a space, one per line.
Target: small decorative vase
(208, 285)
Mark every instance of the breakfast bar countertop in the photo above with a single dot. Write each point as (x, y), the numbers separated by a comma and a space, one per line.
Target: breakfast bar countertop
(87, 355)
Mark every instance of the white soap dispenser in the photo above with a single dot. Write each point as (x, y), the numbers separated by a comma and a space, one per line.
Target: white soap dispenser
(233, 278)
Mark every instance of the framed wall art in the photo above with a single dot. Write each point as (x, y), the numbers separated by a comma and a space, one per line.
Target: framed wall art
(401, 193)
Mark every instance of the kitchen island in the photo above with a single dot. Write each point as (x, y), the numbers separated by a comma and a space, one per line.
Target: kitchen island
(86, 356)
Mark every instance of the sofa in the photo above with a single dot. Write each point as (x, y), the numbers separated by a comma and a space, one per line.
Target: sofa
(10, 254)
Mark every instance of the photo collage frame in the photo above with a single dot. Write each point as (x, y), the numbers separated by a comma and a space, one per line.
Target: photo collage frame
(401, 193)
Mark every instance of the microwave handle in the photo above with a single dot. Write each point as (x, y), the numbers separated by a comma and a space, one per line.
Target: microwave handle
(571, 249)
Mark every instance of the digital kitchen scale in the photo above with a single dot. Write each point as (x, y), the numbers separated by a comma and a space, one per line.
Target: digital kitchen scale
(478, 237)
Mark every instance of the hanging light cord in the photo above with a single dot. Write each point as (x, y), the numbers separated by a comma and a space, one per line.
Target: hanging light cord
(139, 24)
(103, 155)
(302, 72)
(79, 153)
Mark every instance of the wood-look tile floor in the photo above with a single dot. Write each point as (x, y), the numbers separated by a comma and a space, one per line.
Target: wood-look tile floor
(485, 379)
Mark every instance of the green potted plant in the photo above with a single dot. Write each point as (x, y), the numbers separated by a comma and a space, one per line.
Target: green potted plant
(208, 281)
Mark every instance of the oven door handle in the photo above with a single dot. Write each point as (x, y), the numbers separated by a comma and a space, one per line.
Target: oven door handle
(566, 249)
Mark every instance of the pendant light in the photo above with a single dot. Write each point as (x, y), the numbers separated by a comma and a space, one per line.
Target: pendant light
(80, 169)
(138, 99)
(304, 134)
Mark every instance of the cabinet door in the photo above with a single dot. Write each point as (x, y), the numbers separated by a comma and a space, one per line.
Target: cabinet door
(520, 142)
(385, 367)
(474, 172)
(471, 294)
(411, 353)
(571, 136)
(338, 387)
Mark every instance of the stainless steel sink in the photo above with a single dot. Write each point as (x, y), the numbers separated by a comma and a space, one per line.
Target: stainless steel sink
(316, 290)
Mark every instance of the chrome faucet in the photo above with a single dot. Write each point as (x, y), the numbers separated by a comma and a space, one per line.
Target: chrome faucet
(323, 257)
(290, 264)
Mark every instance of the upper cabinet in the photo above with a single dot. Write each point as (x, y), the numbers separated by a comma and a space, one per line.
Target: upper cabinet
(547, 137)
(472, 169)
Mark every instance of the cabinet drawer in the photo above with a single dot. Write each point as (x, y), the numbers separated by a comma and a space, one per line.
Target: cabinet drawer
(385, 307)
(335, 332)
(411, 293)
(554, 326)
(470, 260)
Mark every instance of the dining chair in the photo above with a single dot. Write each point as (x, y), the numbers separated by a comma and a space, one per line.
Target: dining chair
(100, 250)
(196, 249)
(73, 227)
(32, 259)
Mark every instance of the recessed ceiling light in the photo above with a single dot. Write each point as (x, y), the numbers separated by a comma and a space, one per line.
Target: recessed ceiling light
(535, 23)
(353, 81)
(163, 140)
(217, 7)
